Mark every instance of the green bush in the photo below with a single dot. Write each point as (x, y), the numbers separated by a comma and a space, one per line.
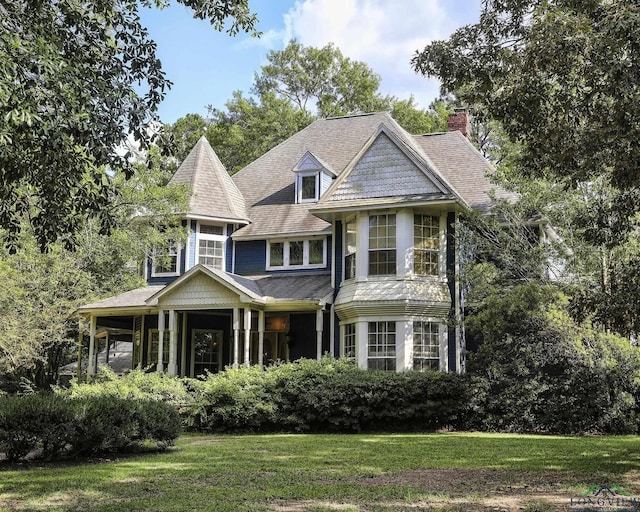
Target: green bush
(537, 370)
(327, 396)
(338, 396)
(236, 399)
(53, 426)
(137, 384)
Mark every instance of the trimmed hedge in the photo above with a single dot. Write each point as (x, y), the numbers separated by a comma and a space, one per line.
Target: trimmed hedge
(327, 396)
(53, 426)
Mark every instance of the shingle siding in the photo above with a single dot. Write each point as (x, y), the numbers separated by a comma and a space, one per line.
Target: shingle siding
(384, 171)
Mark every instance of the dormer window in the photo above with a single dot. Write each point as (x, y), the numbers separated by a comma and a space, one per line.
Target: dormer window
(313, 178)
(307, 187)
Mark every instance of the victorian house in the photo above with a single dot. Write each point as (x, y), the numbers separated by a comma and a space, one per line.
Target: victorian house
(341, 240)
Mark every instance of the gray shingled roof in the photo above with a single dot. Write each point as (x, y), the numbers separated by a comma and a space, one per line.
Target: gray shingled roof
(214, 194)
(267, 184)
(131, 299)
(463, 166)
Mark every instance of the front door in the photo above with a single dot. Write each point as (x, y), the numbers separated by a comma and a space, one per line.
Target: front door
(206, 351)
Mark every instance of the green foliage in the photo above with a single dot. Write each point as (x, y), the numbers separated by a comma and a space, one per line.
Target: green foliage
(537, 370)
(321, 80)
(548, 69)
(135, 385)
(76, 79)
(337, 396)
(234, 400)
(53, 426)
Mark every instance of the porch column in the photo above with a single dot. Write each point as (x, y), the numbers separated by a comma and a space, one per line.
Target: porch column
(247, 336)
(173, 346)
(236, 335)
(319, 334)
(260, 338)
(107, 347)
(80, 338)
(160, 339)
(91, 365)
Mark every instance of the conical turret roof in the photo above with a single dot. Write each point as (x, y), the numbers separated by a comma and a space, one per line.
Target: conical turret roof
(213, 192)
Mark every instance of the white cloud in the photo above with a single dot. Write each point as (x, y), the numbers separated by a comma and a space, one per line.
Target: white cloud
(383, 33)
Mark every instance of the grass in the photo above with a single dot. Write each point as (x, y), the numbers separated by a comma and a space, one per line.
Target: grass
(453, 472)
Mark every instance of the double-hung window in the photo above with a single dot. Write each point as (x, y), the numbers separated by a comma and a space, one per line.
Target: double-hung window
(349, 342)
(381, 346)
(211, 246)
(426, 346)
(382, 244)
(287, 254)
(426, 243)
(350, 250)
(165, 260)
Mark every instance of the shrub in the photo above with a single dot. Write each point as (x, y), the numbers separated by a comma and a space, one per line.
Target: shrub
(236, 399)
(137, 384)
(338, 396)
(53, 426)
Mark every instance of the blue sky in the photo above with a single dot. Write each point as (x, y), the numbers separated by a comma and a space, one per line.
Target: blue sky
(206, 66)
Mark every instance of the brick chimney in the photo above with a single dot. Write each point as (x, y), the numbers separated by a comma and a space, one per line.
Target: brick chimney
(459, 121)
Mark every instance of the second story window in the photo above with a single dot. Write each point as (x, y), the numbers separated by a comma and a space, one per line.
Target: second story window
(350, 250)
(382, 244)
(288, 254)
(165, 260)
(211, 246)
(426, 242)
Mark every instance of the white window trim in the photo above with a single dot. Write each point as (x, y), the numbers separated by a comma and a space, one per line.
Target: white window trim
(152, 355)
(299, 177)
(166, 274)
(218, 238)
(305, 255)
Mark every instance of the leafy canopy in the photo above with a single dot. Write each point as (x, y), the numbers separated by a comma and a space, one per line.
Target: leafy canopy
(563, 78)
(77, 78)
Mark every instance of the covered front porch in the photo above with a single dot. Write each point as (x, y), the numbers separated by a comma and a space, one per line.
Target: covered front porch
(208, 320)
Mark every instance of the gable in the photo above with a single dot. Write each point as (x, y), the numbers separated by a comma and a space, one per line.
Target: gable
(200, 290)
(384, 170)
(308, 163)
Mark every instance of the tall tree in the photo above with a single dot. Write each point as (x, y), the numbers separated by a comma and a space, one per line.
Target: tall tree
(321, 80)
(563, 78)
(76, 78)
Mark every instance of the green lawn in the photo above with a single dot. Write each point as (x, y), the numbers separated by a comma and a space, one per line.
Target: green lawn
(334, 472)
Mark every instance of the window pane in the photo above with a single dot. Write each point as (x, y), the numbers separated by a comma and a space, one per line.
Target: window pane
(381, 346)
(350, 340)
(296, 253)
(211, 252)
(165, 260)
(276, 254)
(426, 242)
(382, 244)
(316, 252)
(308, 187)
(211, 230)
(426, 346)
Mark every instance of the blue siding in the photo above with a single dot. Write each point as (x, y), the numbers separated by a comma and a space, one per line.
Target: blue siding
(338, 264)
(192, 245)
(251, 257)
(228, 257)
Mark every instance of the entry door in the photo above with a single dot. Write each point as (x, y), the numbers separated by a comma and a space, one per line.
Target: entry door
(206, 351)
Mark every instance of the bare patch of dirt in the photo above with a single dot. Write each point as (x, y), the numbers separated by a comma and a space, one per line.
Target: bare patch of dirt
(459, 490)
